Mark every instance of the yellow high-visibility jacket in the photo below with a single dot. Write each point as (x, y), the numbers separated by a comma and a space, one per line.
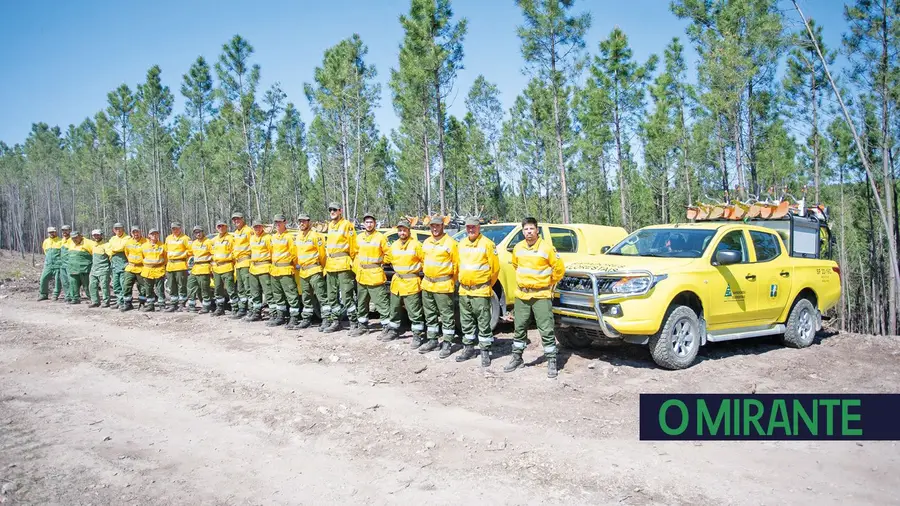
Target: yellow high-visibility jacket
(178, 250)
(223, 257)
(282, 254)
(241, 249)
(538, 268)
(340, 246)
(406, 258)
(369, 257)
(479, 266)
(260, 254)
(116, 245)
(201, 250)
(441, 262)
(52, 243)
(133, 250)
(309, 253)
(154, 260)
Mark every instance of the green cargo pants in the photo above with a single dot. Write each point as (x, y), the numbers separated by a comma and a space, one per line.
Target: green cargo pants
(98, 288)
(155, 291)
(117, 263)
(76, 283)
(243, 287)
(341, 295)
(66, 281)
(439, 315)
(284, 294)
(48, 275)
(198, 288)
(542, 311)
(377, 295)
(177, 286)
(129, 280)
(260, 290)
(475, 317)
(413, 304)
(225, 287)
(312, 290)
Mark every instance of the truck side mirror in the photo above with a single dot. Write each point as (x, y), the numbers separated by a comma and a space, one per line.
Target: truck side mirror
(605, 249)
(728, 257)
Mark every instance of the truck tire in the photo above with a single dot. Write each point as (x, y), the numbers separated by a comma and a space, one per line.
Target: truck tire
(801, 325)
(572, 340)
(676, 344)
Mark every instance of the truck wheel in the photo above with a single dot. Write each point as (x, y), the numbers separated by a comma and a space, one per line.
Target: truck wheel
(676, 344)
(801, 325)
(572, 339)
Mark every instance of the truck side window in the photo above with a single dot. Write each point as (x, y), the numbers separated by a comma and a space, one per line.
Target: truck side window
(564, 240)
(733, 241)
(766, 246)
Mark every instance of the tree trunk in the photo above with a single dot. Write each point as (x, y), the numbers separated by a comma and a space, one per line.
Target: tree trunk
(128, 223)
(845, 307)
(427, 165)
(564, 188)
(886, 168)
(815, 132)
(622, 181)
(440, 132)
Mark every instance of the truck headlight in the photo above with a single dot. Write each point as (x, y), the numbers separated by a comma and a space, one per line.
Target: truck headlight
(636, 284)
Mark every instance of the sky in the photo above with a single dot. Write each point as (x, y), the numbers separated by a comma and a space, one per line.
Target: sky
(59, 59)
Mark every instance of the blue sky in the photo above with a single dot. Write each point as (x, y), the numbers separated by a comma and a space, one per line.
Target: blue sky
(60, 59)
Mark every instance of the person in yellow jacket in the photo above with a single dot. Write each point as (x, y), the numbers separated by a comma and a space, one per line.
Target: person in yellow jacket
(115, 248)
(406, 257)
(440, 266)
(154, 271)
(538, 268)
(241, 252)
(260, 265)
(285, 297)
(479, 269)
(78, 261)
(178, 252)
(309, 253)
(340, 250)
(201, 272)
(223, 269)
(371, 283)
(52, 259)
(135, 255)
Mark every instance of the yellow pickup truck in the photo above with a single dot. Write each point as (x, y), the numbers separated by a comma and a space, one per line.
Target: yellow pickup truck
(676, 287)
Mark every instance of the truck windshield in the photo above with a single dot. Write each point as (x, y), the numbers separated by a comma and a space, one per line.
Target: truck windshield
(664, 242)
(495, 233)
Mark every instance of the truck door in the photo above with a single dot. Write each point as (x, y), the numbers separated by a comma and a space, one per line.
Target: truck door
(733, 288)
(775, 275)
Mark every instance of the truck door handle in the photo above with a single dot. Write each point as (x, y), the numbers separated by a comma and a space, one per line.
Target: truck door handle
(751, 277)
(785, 274)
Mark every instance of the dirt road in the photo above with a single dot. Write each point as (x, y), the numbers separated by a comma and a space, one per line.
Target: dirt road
(100, 407)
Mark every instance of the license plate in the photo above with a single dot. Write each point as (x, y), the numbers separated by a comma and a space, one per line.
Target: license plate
(574, 300)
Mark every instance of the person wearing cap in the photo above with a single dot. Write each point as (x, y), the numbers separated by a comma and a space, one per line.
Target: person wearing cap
(134, 253)
(440, 269)
(178, 251)
(66, 231)
(115, 248)
(154, 272)
(78, 264)
(51, 246)
(201, 272)
(309, 252)
(98, 287)
(241, 252)
(479, 269)
(371, 282)
(405, 256)
(340, 250)
(223, 269)
(538, 267)
(259, 277)
(284, 288)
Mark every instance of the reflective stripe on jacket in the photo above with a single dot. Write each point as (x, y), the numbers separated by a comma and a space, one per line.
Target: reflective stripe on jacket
(260, 254)
(479, 267)
(154, 260)
(241, 249)
(440, 263)
(309, 253)
(538, 268)
(282, 254)
(133, 250)
(371, 249)
(223, 258)
(406, 258)
(201, 250)
(340, 246)
(178, 249)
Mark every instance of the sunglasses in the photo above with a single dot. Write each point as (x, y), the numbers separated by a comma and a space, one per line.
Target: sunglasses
(331, 209)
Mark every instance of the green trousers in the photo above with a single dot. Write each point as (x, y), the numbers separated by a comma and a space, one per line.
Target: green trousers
(260, 290)
(312, 291)
(66, 281)
(177, 286)
(284, 294)
(341, 296)
(243, 287)
(198, 288)
(76, 283)
(117, 263)
(155, 291)
(413, 304)
(439, 315)
(48, 275)
(98, 288)
(380, 296)
(225, 287)
(475, 318)
(129, 281)
(542, 311)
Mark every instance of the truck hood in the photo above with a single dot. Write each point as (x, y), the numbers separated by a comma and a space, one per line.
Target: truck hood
(612, 263)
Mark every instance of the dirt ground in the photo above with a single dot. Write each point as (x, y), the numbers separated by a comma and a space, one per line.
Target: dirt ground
(104, 408)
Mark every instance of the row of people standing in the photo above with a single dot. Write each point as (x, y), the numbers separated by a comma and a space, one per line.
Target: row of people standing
(342, 273)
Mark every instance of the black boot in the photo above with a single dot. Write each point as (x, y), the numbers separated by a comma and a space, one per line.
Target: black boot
(94, 304)
(429, 345)
(126, 306)
(220, 310)
(446, 349)
(334, 326)
(417, 340)
(292, 323)
(323, 325)
(358, 329)
(204, 309)
(552, 372)
(254, 315)
(515, 363)
(389, 334)
(276, 320)
(149, 308)
(304, 324)
(105, 304)
(485, 358)
(467, 353)
(242, 312)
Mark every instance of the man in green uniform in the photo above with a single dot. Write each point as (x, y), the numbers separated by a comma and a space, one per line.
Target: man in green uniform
(284, 287)
(99, 284)
(51, 246)
(115, 248)
(66, 231)
(78, 264)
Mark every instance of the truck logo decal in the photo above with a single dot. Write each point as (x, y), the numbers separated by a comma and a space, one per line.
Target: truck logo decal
(728, 291)
(773, 291)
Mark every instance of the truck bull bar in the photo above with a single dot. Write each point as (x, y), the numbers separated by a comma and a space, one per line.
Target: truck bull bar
(593, 299)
